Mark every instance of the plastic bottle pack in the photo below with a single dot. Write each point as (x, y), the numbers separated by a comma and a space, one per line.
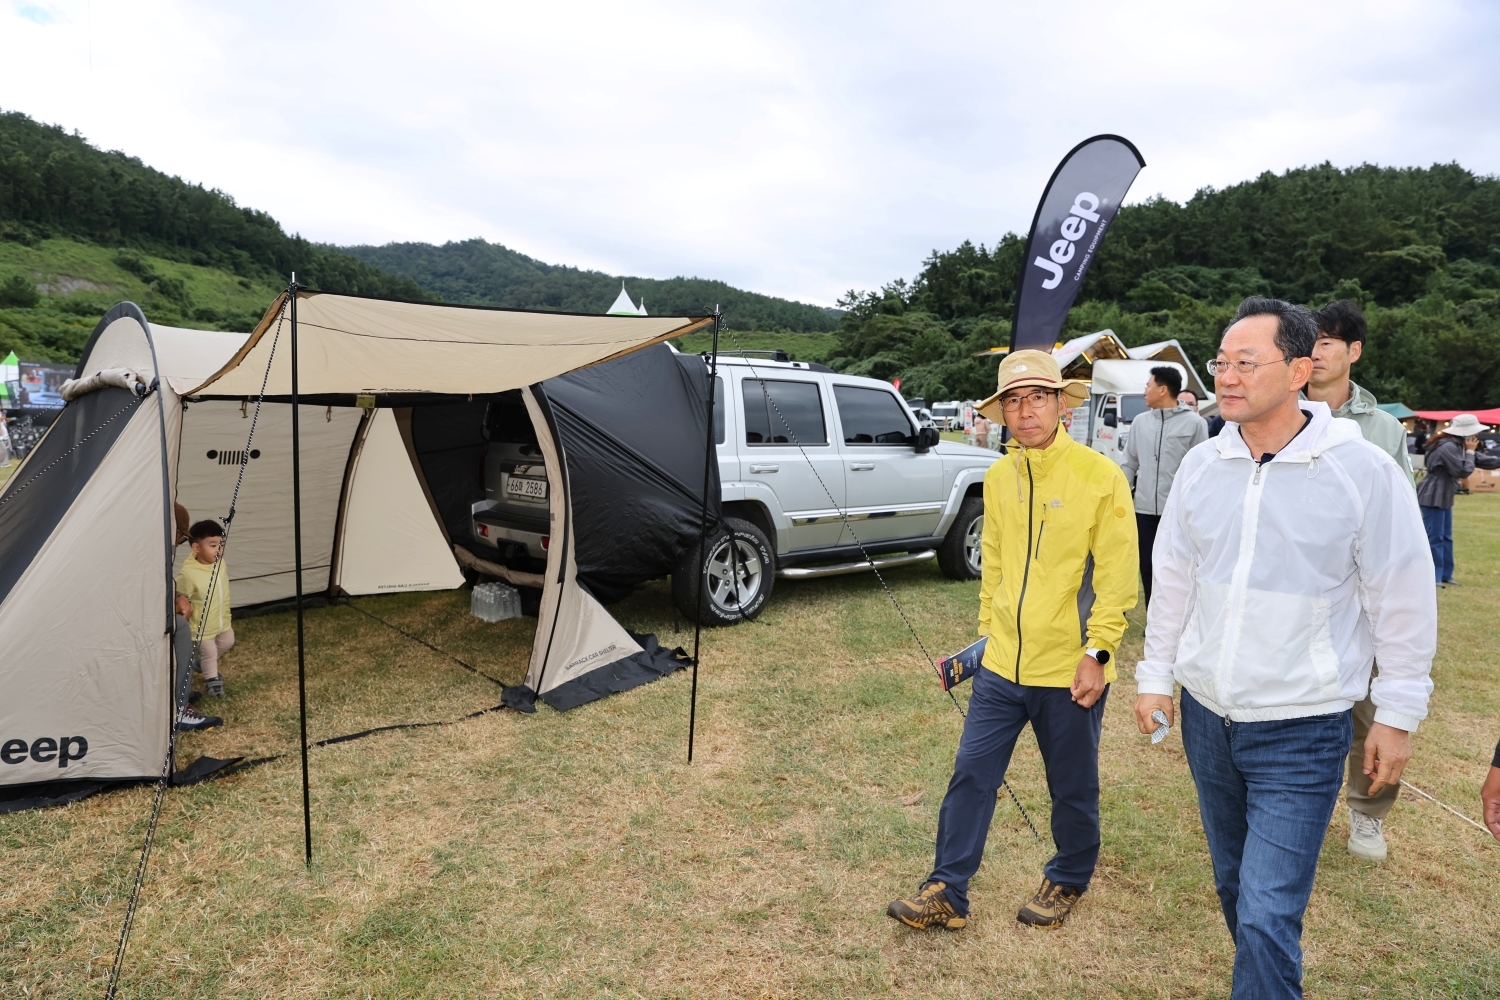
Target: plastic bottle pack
(495, 602)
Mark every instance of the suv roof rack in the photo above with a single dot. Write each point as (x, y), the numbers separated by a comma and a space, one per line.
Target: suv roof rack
(777, 355)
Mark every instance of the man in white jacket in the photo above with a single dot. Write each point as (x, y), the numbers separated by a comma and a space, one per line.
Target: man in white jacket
(1291, 555)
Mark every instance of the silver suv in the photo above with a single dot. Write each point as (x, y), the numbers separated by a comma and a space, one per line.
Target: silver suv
(823, 474)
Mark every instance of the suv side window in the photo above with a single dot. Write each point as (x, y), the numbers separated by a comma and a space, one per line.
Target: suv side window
(799, 403)
(871, 416)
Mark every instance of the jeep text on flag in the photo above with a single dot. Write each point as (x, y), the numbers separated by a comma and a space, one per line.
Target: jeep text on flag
(1076, 208)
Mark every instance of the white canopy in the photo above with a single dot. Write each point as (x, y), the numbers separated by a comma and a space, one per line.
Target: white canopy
(350, 345)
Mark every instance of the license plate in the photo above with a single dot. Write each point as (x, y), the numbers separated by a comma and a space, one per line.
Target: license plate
(535, 489)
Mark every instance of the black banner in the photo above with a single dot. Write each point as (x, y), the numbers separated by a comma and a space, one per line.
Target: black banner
(1076, 209)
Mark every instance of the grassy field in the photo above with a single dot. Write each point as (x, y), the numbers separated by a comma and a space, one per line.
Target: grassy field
(800, 346)
(579, 855)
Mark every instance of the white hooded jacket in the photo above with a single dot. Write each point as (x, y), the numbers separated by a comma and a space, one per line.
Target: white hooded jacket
(1277, 586)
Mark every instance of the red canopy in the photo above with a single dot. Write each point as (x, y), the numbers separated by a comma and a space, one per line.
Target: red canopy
(1491, 417)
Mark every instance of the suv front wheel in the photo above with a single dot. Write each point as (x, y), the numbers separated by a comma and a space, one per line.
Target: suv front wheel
(740, 570)
(959, 555)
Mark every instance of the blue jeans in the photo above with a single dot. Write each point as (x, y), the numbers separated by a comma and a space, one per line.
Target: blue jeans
(1069, 739)
(1266, 791)
(1439, 524)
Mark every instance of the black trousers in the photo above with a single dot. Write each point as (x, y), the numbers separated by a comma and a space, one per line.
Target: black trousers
(1145, 527)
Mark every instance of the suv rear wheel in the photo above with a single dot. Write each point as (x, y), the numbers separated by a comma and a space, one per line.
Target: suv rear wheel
(740, 569)
(959, 555)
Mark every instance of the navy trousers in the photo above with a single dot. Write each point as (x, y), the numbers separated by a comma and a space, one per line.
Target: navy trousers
(1069, 739)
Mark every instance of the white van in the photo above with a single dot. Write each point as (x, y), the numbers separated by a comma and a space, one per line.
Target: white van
(1117, 395)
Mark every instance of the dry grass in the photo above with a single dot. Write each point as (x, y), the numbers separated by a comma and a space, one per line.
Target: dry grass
(578, 855)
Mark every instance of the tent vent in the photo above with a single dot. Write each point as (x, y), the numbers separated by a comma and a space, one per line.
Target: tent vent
(231, 457)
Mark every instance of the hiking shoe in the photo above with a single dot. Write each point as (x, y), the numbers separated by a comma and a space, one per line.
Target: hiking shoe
(215, 687)
(1452, 583)
(927, 909)
(1050, 906)
(191, 720)
(1366, 836)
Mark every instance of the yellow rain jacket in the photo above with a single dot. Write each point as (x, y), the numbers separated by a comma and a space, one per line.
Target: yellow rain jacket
(1060, 561)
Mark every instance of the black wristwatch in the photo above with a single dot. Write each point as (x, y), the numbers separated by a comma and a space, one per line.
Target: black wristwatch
(1101, 655)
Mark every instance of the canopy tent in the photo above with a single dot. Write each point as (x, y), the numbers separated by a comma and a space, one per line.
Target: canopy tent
(1398, 410)
(97, 685)
(1491, 416)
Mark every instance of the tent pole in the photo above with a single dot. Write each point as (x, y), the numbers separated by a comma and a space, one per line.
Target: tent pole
(709, 457)
(297, 553)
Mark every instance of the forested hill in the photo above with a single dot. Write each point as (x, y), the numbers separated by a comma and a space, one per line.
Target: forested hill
(1419, 248)
(54, 184)
(481, 273)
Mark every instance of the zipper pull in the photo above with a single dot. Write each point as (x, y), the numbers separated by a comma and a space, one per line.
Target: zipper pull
(1256, 480)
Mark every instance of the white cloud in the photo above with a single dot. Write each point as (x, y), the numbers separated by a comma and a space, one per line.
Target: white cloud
(791, 148)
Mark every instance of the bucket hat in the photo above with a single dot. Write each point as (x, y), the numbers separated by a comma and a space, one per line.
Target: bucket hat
(1022, 369)
(1465, 425)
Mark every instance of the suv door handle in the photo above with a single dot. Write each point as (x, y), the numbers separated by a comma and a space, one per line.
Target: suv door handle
(862, 466)
(764, 468)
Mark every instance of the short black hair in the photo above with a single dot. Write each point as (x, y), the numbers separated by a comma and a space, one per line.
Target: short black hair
(1342, 319)
(1296, 328)
(205, 529)
(1170, 377)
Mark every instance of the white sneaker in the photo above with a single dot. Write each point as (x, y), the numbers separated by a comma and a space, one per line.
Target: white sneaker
(1366, 836)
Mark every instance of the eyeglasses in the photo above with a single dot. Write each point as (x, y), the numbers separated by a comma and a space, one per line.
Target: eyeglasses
(1218, 366)
(1034, 400)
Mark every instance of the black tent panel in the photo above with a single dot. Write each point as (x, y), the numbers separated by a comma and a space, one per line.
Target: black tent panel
(632, 432)
(450, 444)
(32, 505)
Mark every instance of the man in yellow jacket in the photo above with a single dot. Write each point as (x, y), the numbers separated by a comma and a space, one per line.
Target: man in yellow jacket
(1060, 564)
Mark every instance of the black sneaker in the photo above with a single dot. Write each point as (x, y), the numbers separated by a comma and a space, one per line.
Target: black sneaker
(1050, 906)
(215, 687)
(929, 908)
(190, 720)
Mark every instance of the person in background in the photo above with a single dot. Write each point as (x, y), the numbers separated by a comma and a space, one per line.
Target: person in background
(1159, 440)
(204, 580)
(1341, 342)
(1489, 794)
(1059, 574)
(1188, 398)
(4, 440)
(1289, 558)
(981, 431)
(1450, 457)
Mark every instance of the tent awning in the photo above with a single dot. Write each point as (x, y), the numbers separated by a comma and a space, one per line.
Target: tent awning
(1491, 417)
(1398, 410)
(351, 345)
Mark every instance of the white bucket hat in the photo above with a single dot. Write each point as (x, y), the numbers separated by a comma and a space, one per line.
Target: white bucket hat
(1465, 425)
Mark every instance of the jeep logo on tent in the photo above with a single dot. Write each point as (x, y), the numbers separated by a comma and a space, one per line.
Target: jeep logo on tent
(44, 749)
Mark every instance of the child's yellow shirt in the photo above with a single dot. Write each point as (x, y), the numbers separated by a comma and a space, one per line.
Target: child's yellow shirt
(192, 583)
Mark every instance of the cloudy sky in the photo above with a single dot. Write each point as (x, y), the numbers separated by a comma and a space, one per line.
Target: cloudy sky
(791, 148)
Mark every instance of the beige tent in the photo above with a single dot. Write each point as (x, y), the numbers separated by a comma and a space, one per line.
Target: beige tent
(86, 522)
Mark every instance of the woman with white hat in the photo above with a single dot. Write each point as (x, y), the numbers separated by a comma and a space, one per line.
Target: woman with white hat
(1448, 461)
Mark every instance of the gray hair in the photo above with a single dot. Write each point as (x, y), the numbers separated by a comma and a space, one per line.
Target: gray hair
(1296, 326)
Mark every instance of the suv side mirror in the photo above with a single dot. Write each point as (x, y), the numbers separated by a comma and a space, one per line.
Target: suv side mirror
(1110, 420)
(926, 439)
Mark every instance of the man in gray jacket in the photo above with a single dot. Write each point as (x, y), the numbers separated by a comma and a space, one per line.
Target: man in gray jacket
(1158, 441)
(1341, 341)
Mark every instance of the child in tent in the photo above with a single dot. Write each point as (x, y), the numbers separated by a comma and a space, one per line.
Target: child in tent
(206, 570)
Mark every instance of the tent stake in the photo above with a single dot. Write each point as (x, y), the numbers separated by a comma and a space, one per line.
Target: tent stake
(297, 554)
(709, 457)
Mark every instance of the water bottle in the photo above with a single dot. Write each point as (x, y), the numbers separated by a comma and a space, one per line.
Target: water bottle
(495, 602)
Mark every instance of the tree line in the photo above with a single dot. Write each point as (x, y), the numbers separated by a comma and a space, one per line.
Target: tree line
(482, 273)
(55, 184)
(1418, 248)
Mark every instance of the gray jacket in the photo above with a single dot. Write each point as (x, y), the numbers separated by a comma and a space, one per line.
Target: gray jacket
(1447, 463)
(1158, 441)
(1379, 427)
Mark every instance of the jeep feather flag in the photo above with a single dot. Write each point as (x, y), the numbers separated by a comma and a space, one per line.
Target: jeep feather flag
(1077, 207)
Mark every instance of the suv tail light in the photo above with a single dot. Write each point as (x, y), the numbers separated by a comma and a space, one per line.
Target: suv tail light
(546, 540)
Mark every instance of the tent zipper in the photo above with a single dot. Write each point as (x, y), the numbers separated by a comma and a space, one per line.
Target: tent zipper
(1026, 574)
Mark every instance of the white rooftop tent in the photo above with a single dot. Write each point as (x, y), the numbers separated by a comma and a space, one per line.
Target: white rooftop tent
(87, 521)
